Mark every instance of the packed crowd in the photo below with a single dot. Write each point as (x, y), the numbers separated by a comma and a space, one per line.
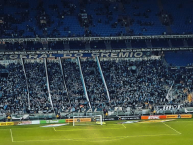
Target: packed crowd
(143, 83)
(13, 90)
(19, 18)
(61, 102)
(94, 85)
(74, 85)
(130, 84)
(38, 92)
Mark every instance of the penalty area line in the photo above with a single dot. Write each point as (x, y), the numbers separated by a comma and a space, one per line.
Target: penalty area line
(11, 135)
(172, 128)
(87, 129)
(54, 129)
(124, 126)
(94, 139)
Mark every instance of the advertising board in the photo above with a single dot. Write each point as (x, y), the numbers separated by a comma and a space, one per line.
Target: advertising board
(6, 123)
(179, 116)
(185, 116)
(166, 116)
(52, 121)
(171, 116)
(78, 120)
(129, 117)
(110, 119)
(153, 117)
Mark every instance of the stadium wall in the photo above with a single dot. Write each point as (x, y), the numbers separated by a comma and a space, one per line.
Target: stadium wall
(70, 120)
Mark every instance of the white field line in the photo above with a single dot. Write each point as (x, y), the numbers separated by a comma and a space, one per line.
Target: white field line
(172, 128)
(124, 126)
(87, 129)
(118, 127)
(11, 135)
(95, 139)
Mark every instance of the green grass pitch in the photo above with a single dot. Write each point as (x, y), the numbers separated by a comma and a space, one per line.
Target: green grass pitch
(177, 132)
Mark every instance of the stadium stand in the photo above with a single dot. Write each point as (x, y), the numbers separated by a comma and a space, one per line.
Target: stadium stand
(183, 58)
(21, 18)
(94, 85)
(13, 90)
(73, 84)
(130, 84)
(36, 79)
